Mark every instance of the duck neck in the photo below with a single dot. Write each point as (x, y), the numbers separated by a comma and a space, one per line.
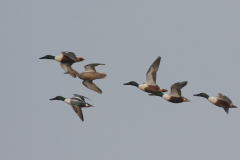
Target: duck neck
(61, 98)
(205, 96)
(135, 84)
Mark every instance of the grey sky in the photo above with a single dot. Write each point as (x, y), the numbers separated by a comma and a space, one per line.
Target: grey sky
(197, 40)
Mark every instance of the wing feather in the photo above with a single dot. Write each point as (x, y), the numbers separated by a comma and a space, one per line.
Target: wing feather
(67, 67)
(90, 85)
(176, 88)
(91, 67)
(78, 111)
(70, 55)
(152, 72)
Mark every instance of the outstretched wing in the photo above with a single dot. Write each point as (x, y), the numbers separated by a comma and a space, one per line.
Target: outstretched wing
(152, 72)
(176, 88)
(90, 85)
(67, 67)
(220, 96)
(78, 110)
(70, 55)
(82, 97)
(226, 109)
(90, 67)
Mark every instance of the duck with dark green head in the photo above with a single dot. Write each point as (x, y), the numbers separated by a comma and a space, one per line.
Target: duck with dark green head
(77, 102)
(150, 85)
(66, 60)
(220, 101)
(175, 96)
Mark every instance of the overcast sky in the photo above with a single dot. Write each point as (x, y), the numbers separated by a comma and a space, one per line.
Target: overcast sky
(198, 42)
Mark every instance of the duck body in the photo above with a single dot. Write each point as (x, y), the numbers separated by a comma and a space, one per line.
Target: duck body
(66, 60)
(175, 96)
(150, 88)
(77, 102)
(220, 101)
(89, 75)
(150, 85)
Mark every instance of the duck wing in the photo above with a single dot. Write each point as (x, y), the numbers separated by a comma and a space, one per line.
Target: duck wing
(227, 99)
(176, 88)
(67, 67)
(226, 109)
(78, 111)
(80, 96)
(90, 85)
(91, 67)
(220, 96)
(70, 55)
(152, 72)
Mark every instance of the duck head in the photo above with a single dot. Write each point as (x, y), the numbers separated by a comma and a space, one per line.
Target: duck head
(58, 98)
(202, 95)
(48, 57)
(133, 83)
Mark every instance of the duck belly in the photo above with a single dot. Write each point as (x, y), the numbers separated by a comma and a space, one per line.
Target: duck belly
(222, 103)
(152, 89)
(176, 99)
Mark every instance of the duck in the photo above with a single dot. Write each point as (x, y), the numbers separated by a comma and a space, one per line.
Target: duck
(220, 101)
(89, 75)
(77, 102)
(66, 60)
(150, 85)
(175, 95)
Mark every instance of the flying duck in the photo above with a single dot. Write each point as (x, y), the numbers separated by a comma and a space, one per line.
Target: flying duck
(175, 96)
(220, 101)
(150, 85)
(77, 102)
(89, 75)
(66, 60)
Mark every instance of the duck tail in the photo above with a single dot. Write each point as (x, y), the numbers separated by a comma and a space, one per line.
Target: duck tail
(234, 106)
(102, 75)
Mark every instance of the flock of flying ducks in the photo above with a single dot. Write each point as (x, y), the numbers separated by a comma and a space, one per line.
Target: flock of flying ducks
(77, 102)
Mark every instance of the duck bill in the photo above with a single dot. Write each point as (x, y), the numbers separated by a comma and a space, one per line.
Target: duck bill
(196, 95)
(187, 100)
(53, 99)
(43, 57)
(126, 84)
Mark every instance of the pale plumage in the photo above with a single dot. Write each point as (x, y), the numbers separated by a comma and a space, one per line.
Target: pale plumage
(89, 75)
